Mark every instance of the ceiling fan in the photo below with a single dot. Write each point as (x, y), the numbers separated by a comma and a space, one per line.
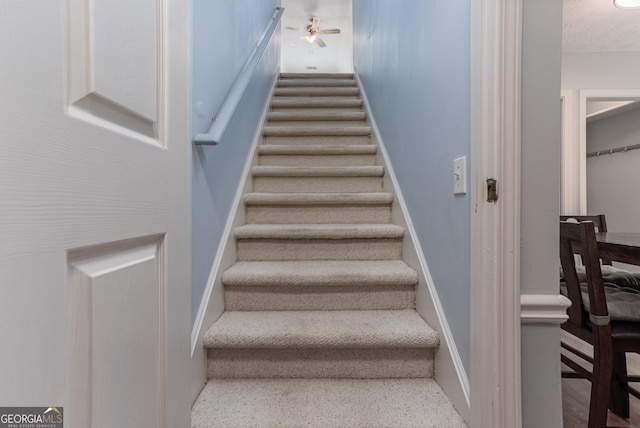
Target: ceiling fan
(311, 32)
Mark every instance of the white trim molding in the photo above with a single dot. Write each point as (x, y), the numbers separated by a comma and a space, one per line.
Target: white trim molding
(543, 308)
(496, 51)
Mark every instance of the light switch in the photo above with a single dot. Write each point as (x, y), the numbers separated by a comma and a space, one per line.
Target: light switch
(460, 176)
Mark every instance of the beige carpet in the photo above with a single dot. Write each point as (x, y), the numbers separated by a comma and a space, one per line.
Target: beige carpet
(320, 327)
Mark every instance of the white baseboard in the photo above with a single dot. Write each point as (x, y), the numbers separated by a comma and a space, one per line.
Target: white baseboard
(543, 308)
(212, 303)
(450, 373)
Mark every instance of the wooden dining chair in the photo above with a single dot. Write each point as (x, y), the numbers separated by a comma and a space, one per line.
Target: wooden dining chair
(598, 321)
(598, 220)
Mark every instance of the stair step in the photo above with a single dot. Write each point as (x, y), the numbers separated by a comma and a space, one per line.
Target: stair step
(324, 403)
(295, 199)
(319, 285)
(307, 82)
(316, 130)
(317, 155)
(319, 242)
(307, 232)
(321, 329)
(317, 92)
(316, 76)
(287, 208)
(286, 179)
(315, 114)
(330, 140)
(308, 149)
(316, 102)
(337, 273)
(329, 171)
(341, 363)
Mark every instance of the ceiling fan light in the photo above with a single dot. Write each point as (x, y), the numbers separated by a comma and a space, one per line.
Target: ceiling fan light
(311, 37)
(627, 4)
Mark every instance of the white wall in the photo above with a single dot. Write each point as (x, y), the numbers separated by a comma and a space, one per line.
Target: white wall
(336, 56)
(540, 116)
(600, 70)
(612, 179)
(584, 75)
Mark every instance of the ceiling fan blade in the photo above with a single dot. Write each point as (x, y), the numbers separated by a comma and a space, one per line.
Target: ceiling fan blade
(297, 41)
(331, 31)
(320, 42)
(295, 28)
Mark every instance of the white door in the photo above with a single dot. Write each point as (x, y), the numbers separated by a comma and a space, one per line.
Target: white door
(94, 225)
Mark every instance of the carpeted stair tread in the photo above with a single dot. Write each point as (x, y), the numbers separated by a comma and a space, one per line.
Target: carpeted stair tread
(321, 329)
(310, 149)
(315, 114)
(324, 403)
(320, 273)
(316, 102)
(316, 76)
(374, 198)
(315, 130)
(319, 231)
(293, 82)
(320, 171)
(317, 92)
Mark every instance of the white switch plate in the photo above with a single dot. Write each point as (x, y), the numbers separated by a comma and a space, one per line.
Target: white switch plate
(460, 176)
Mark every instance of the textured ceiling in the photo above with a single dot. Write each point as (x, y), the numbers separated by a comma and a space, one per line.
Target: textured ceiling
(599, 26)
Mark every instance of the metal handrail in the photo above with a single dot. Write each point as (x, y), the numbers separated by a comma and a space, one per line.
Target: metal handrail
(221, 120)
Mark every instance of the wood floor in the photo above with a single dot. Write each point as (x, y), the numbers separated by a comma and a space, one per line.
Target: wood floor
(575, 394)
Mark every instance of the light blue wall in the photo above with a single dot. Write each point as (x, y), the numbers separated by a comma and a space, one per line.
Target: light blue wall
(224, 34)
(413, 59)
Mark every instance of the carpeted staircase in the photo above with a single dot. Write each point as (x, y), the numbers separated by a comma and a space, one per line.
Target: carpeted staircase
(320, 328)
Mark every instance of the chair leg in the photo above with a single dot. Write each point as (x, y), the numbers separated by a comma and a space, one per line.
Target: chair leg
(600, 384)
(620, 386)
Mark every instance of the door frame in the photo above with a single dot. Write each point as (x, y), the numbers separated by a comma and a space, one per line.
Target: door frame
(574, 142)
(496, 52)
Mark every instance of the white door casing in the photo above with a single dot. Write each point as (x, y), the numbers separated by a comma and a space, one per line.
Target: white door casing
(94, 220)
(574, 142)
(496, 53)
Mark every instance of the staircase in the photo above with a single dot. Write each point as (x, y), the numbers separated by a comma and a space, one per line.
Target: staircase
(320, 328)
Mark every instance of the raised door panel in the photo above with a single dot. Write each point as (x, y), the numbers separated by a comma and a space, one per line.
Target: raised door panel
(115, 293)
(114, 59)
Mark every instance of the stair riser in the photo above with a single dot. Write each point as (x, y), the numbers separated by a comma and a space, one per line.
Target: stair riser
(316, 130)
(315, 114)
(316, 92)
(332, 298)
(333, 123)
(329, 140)
(329, 103)
(317, 160)
(361, 363)
(285, 76)
(289, 83)
(287, 214)
(317, 184)
(330, 249)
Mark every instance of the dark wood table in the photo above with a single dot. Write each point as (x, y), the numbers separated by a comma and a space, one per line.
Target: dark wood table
(621, 247)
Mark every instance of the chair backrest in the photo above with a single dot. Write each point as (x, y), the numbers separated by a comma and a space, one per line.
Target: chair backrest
(598, 220)
(580, 239)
